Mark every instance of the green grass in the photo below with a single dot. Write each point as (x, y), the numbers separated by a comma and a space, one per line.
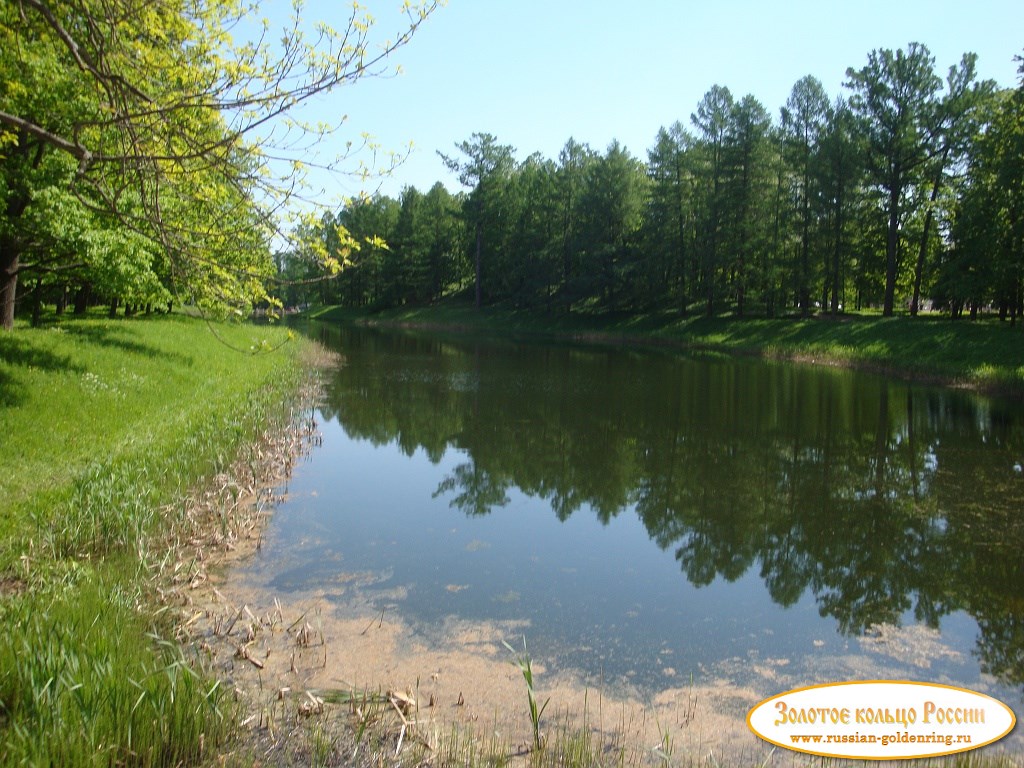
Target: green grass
(985, 354)
(105, 424)
(85, 683)
(105, 420)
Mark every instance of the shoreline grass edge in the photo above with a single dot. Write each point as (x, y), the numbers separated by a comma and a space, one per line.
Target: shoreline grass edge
(984, 355)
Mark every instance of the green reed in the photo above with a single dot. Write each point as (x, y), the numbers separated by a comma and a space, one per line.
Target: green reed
(525, 665)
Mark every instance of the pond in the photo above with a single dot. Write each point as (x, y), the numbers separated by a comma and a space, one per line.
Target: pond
(658, 519)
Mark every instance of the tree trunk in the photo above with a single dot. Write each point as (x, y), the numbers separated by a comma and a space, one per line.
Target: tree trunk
(82, 299)
(915, 302)
(712, 257)
(9, 262)
(479, 248)
(891, 247)
(709, 309)
(113, 308)
(681, 234)
(37, 303)
(837, 253)
(10, 254)
(805, 252)
(682, 270)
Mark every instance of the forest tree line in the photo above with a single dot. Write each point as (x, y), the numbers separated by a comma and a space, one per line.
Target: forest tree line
(902, 192)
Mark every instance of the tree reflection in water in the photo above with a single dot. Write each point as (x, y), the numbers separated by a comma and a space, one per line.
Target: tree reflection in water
(876, 497)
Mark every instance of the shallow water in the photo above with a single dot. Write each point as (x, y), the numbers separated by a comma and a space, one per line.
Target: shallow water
(661, 520)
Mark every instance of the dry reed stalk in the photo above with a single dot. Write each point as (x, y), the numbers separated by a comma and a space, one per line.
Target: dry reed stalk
(228, 515)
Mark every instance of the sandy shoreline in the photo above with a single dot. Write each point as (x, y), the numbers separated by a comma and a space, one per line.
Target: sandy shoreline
(311, 649)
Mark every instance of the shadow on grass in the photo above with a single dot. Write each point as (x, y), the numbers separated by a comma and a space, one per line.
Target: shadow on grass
(120, 337)
(16, 352)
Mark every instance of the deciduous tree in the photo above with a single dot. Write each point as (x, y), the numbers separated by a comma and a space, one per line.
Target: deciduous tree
(955, 128)
(484, 166)
(895, 97)
(712, 121)
(803, 122)
(176, 130)
(670, 212)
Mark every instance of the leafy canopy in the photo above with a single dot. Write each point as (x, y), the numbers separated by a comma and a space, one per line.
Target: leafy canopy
(180, 119)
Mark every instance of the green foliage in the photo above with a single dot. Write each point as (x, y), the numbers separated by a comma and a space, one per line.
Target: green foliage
(612, 205)
(485, 168)
(805, 119)
(894, 96)
(889, 195)
(154, 120)
(668, 219)
(986, 263)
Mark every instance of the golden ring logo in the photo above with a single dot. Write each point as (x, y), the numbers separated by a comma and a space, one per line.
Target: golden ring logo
(881, 720)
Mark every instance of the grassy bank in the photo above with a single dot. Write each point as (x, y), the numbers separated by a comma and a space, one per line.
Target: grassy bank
(983, 354)
(104, 424)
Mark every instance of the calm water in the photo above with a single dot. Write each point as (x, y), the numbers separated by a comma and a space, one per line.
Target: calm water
(655, 516)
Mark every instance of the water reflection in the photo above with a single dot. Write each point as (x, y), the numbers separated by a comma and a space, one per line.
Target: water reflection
(879, 499)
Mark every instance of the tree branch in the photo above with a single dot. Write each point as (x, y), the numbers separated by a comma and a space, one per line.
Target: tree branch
(83, 155)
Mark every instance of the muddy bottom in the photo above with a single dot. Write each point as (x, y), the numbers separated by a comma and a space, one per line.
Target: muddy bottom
(320, 646)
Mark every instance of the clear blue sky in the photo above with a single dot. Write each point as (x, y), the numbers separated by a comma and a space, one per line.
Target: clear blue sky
(535, 72)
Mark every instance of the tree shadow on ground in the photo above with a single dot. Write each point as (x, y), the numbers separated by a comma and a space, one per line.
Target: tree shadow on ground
(15, 352)
(120, 338)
